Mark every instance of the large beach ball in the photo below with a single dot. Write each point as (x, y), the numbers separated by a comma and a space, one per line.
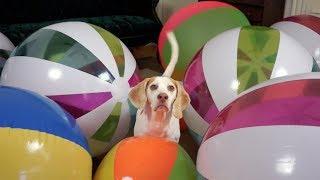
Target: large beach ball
(6, 48)
(305, 29)
(39, 140)
(86, 70)
(146, 158)
(193, 26)
(269, 133)
(234, 61)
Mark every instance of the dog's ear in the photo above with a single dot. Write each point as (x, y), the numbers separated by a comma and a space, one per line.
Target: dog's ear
(137, 95)
(181, 102)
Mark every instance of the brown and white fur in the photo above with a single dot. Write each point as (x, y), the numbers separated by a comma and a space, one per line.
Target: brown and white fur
(160, 101)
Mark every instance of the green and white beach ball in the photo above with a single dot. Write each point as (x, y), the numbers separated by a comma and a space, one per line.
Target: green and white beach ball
(233, 62)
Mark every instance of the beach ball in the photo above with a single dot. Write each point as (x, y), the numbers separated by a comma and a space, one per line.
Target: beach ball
(146, 158)
(39, 140)
(193, 26)
(234, 61)
(305, 29)
(268, 133)
(86, 70)
(6, 48)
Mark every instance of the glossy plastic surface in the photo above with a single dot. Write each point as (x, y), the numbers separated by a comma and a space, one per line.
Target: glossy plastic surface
(145, 158)
(39, 140)
(305, 29)
(235, 61)
(86, 70)
(193, 26)
(268, 133)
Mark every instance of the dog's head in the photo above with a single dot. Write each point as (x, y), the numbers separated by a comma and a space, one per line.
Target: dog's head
(160, 92)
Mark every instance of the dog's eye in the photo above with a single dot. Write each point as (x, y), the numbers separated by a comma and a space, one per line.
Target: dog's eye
(153, 87)
(171, 88)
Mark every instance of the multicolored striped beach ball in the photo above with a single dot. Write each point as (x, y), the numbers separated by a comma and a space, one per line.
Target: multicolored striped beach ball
(39, 140)
(305, 29)
(235, 61)
(146, 158)
(6, 48)
(193, 26)
(269, 133)
(86, 70)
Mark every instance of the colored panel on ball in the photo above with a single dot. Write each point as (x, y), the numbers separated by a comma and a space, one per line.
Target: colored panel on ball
(95, 69)
(145, 158)
(190, 46)
(288, 103)
(134, 79)
(257, 53)
(183, 167)
(57, 47)
(312, 22)
(108, 128)
(41, 156)
(196, 86)
(184, 14)
(106, 168)
(115, 47)
(80, 104)
(315, 66)
(27, 105)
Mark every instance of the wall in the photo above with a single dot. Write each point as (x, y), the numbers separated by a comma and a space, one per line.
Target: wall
(315, 7)
(296, 7)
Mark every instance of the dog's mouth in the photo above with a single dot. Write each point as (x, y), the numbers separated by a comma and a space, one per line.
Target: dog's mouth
(161, 107)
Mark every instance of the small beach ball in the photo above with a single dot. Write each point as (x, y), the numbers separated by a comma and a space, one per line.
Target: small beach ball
(193, 26)
(39, 140)
(305, 29)
(234, 61)
(86, 70)
(6, 48)
(146, 158)
(268, 133)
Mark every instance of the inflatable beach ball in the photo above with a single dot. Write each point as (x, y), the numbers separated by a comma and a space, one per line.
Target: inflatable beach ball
(305, 29)
(39, 140)
(266, 134)
(146, 158)
(86, 70)
(6, 48)
(193, 26)
(234, 61)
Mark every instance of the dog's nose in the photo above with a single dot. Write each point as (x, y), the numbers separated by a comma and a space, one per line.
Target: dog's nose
(162, 97)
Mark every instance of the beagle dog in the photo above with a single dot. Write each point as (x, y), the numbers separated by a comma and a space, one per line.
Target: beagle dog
(160, 101)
